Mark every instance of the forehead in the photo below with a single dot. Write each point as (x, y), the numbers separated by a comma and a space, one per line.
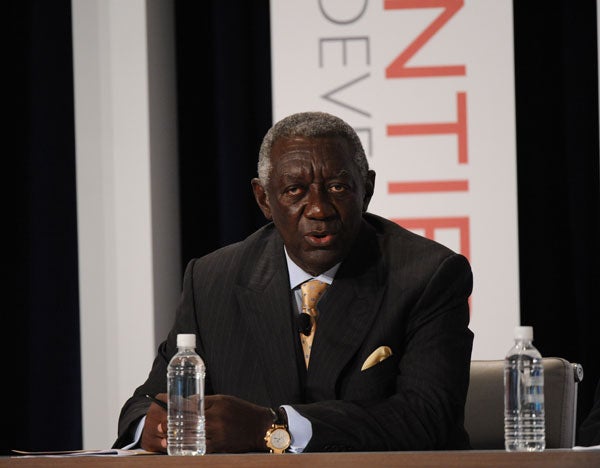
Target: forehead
(299, 151)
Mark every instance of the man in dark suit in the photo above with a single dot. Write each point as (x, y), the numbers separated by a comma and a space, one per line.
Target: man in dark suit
(389, 365)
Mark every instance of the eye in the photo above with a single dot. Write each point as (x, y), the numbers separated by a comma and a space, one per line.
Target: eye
(337, 188)
(293, 190)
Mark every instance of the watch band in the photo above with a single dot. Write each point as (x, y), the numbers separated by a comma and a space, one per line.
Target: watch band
(281, 417)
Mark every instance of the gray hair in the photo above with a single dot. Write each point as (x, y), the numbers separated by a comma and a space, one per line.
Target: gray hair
(309, 124)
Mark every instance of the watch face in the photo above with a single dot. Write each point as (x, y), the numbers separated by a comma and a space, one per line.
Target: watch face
(280, 439)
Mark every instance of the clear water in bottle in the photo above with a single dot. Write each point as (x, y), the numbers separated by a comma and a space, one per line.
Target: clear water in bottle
(524, 416)
(185, 387)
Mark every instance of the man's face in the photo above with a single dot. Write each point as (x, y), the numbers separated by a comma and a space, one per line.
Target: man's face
(316, 198)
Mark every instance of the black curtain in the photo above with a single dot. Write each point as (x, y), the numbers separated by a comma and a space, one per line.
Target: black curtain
(558, 170)
(223, 68)
(224, 89)
(41, 319)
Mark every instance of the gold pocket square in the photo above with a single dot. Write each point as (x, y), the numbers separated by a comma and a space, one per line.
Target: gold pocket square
(381, 353)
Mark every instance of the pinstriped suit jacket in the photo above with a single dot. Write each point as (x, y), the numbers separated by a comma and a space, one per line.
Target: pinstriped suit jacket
(395, 289)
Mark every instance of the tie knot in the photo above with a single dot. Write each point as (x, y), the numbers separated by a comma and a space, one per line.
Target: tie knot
(311, 293)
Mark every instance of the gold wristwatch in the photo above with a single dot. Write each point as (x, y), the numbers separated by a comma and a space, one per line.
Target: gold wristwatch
(277, 437)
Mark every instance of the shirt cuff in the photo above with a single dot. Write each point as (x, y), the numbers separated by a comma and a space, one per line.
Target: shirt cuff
(137, 436)
(300, 429)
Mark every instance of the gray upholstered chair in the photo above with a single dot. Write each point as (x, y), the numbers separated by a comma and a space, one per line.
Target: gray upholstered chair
(484, 411)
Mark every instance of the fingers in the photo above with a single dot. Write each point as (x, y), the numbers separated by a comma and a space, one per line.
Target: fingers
(154, 434)
(163, 435)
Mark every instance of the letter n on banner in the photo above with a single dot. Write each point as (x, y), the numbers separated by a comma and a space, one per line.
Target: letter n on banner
(430, 225)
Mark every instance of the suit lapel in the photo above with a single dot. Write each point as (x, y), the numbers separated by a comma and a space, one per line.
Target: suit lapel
(264, 300)
(346, 314)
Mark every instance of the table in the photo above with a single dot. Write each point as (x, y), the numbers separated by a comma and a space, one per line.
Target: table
(552, 458)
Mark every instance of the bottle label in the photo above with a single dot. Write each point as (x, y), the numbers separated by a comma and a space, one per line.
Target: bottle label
(533, 380)
(533, 384)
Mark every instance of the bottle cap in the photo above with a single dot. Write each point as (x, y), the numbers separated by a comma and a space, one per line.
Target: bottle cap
(524, 333)
(187, 340)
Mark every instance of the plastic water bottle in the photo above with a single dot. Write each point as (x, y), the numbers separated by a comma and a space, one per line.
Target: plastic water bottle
(185, 387)
(524, 419)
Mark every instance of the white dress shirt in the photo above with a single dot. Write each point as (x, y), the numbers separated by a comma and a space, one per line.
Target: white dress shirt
(299, 427)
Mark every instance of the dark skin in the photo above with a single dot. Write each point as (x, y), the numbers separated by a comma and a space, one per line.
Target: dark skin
(233, 425)
(316, 199)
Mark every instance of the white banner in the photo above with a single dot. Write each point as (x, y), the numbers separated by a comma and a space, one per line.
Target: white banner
(429, 87)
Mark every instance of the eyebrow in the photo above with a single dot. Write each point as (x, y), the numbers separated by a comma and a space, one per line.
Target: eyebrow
(343, 173)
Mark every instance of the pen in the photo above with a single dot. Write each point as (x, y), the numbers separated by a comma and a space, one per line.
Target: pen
(160, 403)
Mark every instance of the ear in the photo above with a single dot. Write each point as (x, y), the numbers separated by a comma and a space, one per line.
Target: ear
(260, 195)
(369, 189)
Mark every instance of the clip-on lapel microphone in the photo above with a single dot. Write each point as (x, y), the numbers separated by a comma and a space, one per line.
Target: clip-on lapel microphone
(303, 323)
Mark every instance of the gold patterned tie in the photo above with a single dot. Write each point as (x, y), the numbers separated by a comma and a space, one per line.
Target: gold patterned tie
(311, 293)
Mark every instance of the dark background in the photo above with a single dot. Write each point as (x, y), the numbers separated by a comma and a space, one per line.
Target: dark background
(224, 110)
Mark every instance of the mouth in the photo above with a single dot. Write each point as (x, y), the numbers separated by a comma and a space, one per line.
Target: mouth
(320, 238)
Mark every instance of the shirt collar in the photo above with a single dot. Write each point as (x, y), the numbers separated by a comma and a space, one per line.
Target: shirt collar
(299, 276)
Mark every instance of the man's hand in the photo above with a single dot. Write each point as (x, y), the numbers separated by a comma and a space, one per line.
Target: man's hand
(154, 435)
(234, 425)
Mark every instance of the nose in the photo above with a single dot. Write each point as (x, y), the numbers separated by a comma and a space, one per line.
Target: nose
(318, 205)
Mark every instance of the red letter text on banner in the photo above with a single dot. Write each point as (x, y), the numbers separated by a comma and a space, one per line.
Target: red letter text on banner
(397, 68)
(459, 127)
(429, 225)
